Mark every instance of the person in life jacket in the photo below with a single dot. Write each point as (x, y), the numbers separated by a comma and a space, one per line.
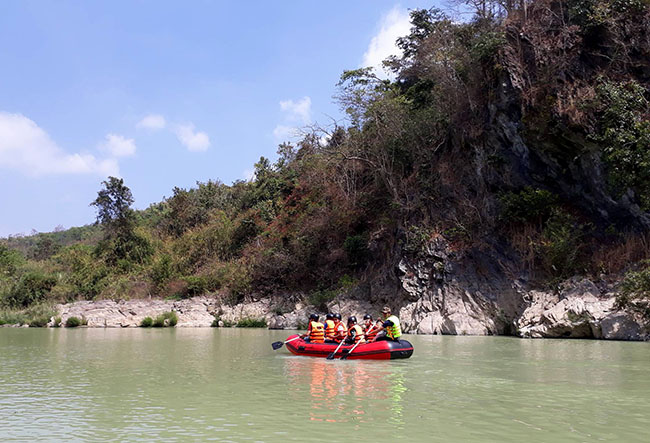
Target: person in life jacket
(315, 330)
(355, 332)
(340, 331)
(370, 328)
(390, 328)
(330, 328)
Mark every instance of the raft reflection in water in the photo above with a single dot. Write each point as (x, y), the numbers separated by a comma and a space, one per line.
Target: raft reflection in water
(358, 390)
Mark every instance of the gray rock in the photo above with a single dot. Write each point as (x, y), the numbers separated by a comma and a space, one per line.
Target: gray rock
(622, 326)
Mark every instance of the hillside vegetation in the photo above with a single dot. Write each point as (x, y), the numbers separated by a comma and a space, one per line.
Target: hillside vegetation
(523, 133)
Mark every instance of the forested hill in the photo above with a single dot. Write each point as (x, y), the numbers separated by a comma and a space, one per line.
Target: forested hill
(522, 135)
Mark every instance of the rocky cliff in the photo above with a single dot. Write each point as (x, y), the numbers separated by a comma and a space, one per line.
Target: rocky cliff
(440, 295)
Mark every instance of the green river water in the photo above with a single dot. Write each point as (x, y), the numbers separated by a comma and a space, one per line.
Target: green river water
(229, 385)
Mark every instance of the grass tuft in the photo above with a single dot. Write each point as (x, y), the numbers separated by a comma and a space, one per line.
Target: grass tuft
(251, 323)
(166, 319)
(73, 322)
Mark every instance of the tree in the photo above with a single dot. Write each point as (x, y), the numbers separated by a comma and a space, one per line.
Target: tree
(10, 260)
(113, 205)
(45, 248)
(114, 213)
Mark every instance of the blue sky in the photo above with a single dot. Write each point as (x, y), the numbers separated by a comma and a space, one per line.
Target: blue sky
(165, 93)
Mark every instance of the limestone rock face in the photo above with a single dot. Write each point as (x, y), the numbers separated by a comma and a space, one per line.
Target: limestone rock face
(579, 310)
(445, 297)
(620, 326)
(193, 312)
(438, 302)
(440, 294)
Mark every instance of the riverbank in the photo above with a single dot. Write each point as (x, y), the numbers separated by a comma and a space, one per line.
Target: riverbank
(579, 309)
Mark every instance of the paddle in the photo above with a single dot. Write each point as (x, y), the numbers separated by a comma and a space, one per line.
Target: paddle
(278, 344)
(345, 356)
(331, 356)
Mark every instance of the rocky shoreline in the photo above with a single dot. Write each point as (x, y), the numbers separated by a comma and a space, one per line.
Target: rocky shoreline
(435, 292)
(580, 310)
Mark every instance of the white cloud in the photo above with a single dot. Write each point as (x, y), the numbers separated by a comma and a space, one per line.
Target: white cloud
(393, 25)
(296, 113)
(118, 146)
(248, 174)
(26, 148)
(283, 132)
(194, 141)
(299, 110)
(152, 121)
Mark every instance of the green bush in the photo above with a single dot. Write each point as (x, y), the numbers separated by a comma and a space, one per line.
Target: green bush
(319, 299)
(32, 287)
(85, 276)
(527, 205)
(487, 46)
(57, 322)
(161, 271)
(146, 322)
(624, 134)
(416, 239)
(39, 322)
(356, 247)
(196, 285)
(10, 260)
(226, 323)
(634, 293)
(36, 316)
(73, 322)
(12, 318)
(561, 249)
(251, 323)
(166, 319)
(590, 13)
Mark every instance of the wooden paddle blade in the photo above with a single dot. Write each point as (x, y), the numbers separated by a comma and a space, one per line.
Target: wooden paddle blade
(277, 345)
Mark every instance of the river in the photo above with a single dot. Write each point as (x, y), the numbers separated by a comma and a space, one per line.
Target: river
(229, 385)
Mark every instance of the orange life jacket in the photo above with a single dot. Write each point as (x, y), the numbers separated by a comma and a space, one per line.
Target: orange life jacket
(316, 332)
(340, 331)
(371, 332)
(330, 329)
(358, 333)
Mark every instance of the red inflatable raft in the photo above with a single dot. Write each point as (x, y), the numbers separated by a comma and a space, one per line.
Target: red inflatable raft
(379, 350)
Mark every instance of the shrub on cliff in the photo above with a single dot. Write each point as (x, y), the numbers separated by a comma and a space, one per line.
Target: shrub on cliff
(320, 298)
(634, 293)
(146, 322)
(624, 132)
(527, 205)
(561, 247)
